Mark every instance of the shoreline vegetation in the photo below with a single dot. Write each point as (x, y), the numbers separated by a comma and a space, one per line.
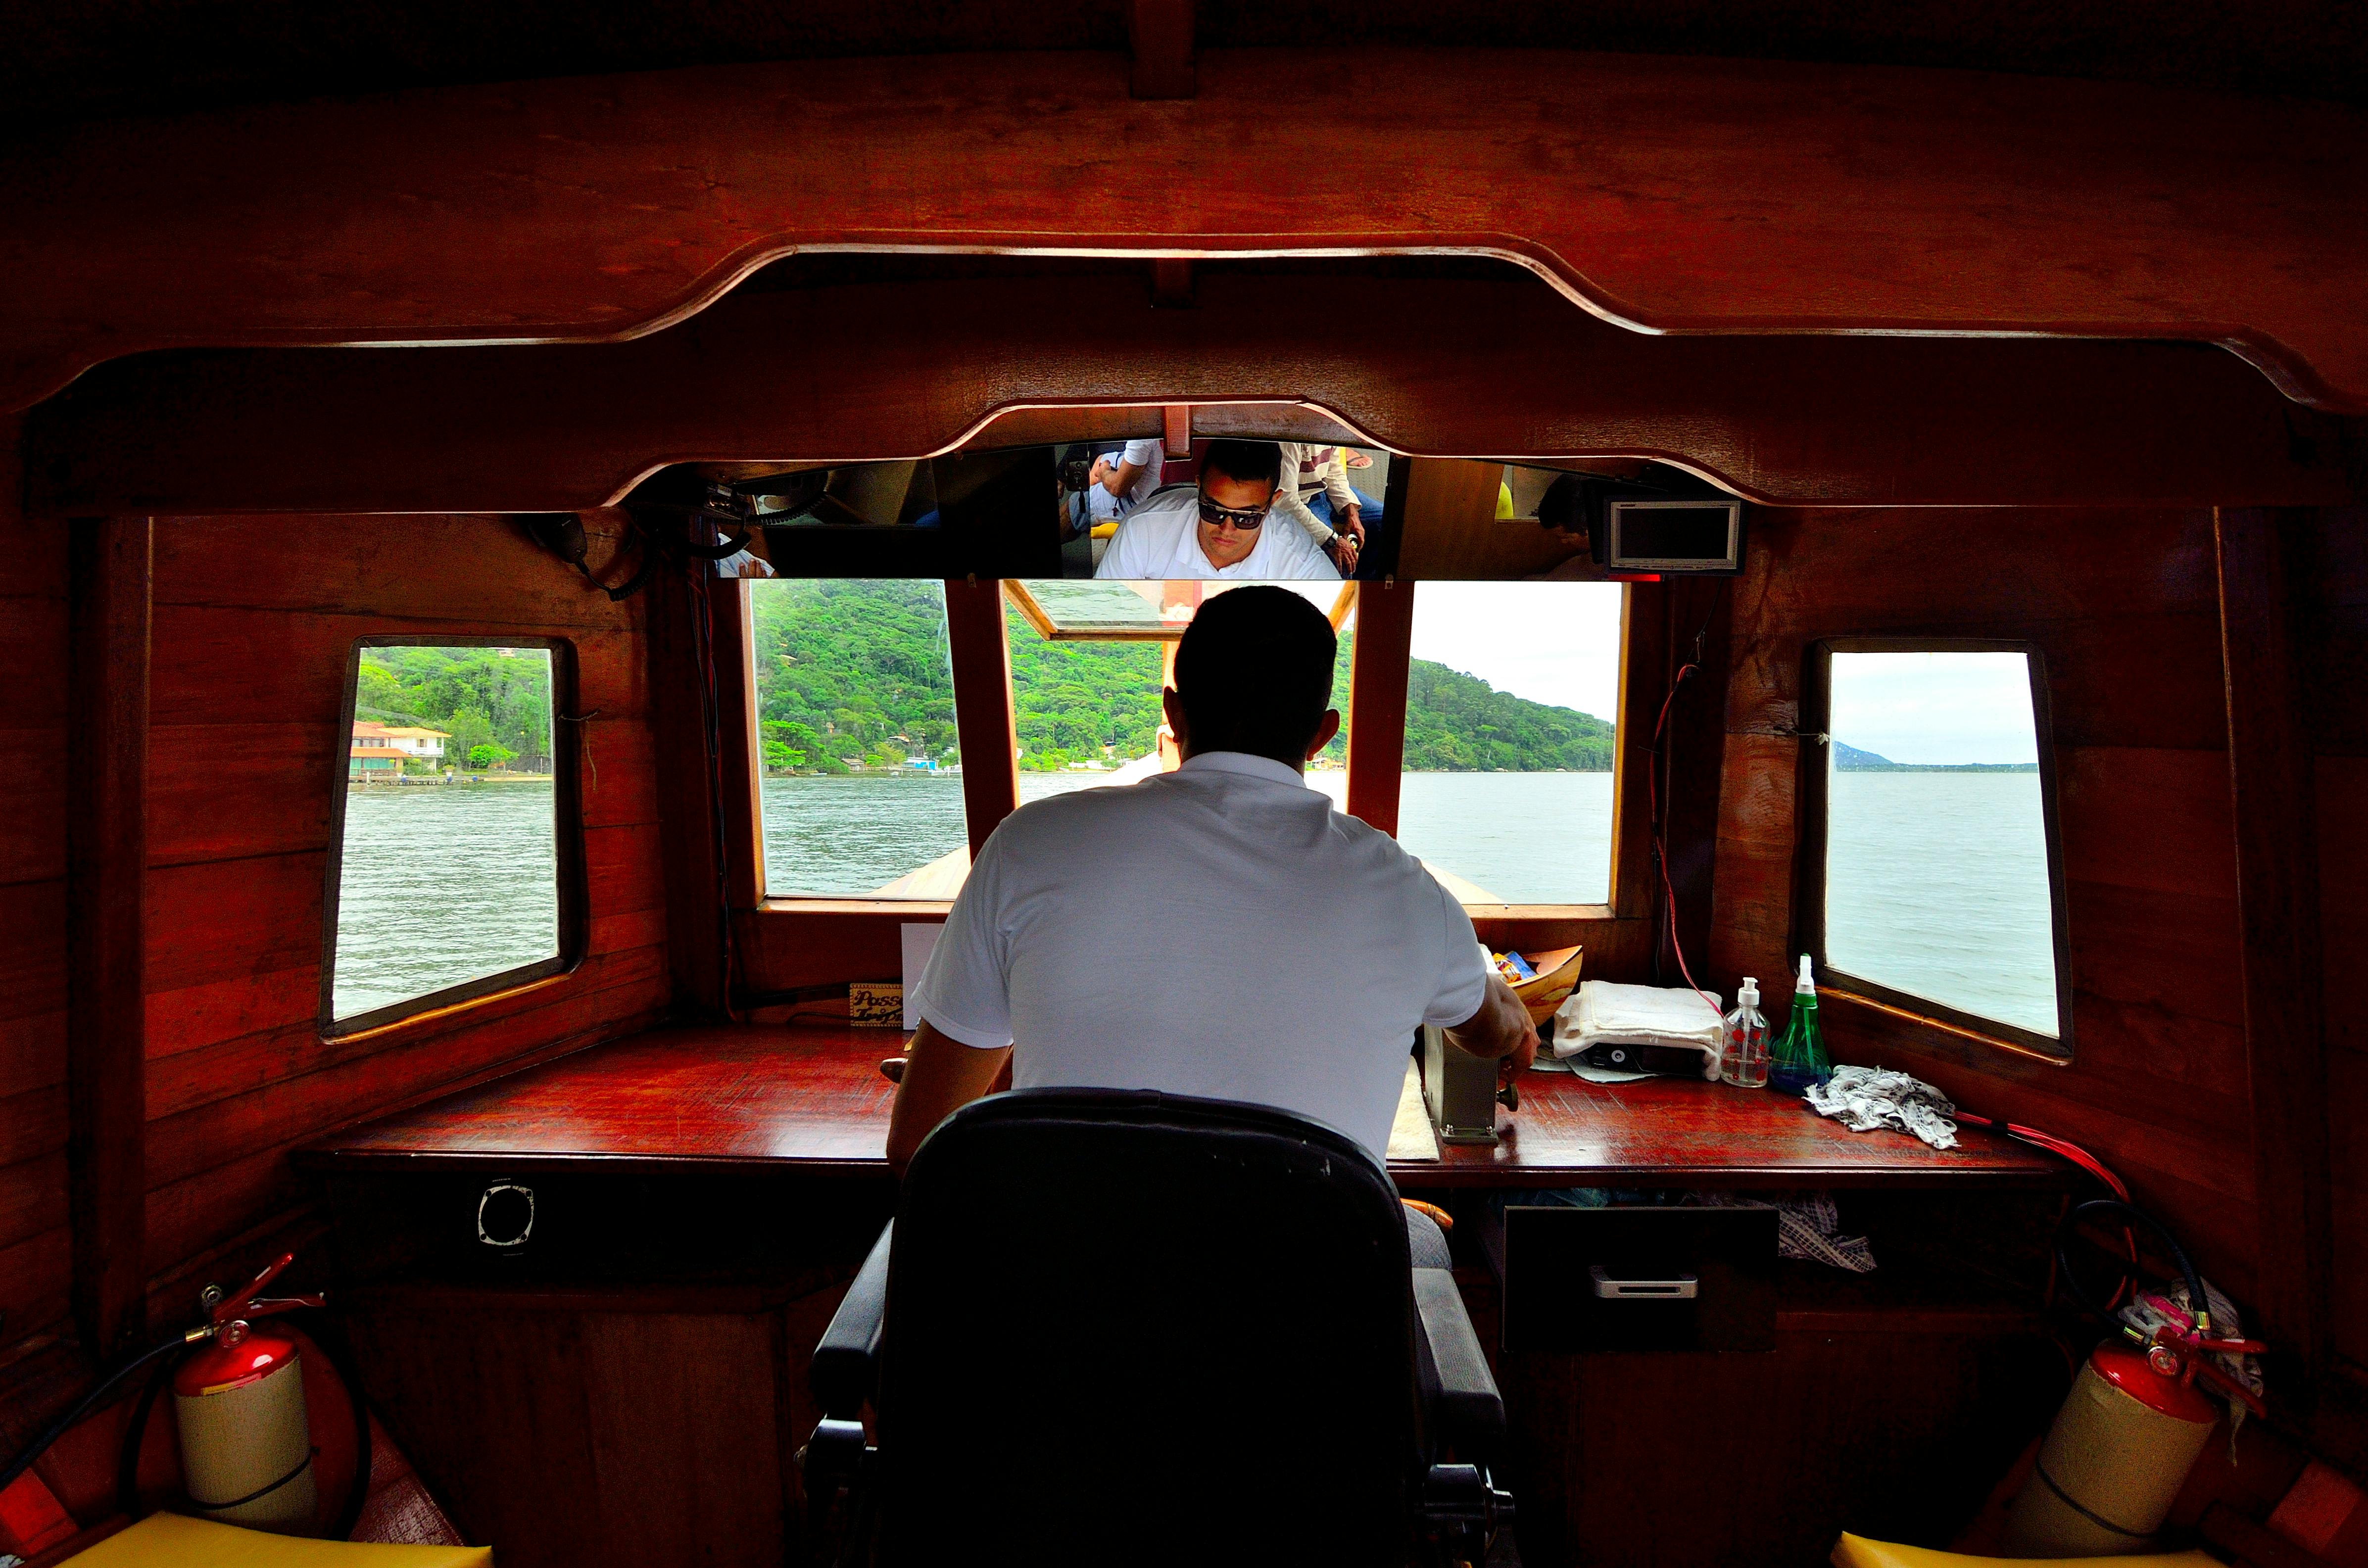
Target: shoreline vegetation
(491, 701)
(852, 678)
(1850, 760)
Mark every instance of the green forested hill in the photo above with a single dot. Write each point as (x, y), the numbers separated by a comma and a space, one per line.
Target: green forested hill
(855, 674)
(478, 696)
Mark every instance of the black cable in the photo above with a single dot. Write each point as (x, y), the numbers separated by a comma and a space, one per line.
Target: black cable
(2197, 1303)
(89, 1402)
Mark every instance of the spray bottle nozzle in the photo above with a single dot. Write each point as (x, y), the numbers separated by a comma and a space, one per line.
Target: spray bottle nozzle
(1804, 983)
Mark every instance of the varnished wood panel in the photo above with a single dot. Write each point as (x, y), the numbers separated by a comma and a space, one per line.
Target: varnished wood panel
(1838, 1449)
(2124, 606)
(35, 1243)
(1982, 203)
(253, 620)
(1492, 373)
(110, 563)
(555, 1433)
(808, 1096)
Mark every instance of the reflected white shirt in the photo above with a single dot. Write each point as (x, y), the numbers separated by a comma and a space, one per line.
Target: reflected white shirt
(1219, 931)
(1161, 539)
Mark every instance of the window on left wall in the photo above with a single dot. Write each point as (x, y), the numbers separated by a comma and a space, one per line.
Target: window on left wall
(453, 869)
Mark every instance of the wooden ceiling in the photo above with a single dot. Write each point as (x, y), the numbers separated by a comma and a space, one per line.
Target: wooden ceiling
(77, 58)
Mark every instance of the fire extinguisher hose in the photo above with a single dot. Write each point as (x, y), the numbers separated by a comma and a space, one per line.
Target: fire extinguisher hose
(2198, 1305)
(92, 1401)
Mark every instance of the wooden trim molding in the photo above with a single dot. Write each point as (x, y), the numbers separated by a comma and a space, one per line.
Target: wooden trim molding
(110, 576)
(983, 705)
(1377, 701)
(2001, 200)
(2271, 773)
(2031, 421)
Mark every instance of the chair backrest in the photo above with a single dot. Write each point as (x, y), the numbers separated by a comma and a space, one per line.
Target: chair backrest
(1129, 1327)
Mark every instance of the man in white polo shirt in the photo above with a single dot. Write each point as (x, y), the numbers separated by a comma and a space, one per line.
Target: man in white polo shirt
(1221, 530)
(1218, 931)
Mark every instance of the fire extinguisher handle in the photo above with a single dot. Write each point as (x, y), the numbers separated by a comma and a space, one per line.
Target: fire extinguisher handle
(264, 1306)
(236, 1306)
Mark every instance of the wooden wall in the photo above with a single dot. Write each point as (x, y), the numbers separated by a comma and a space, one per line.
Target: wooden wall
(253, 622)
(2335, 692)
(2126, 606)
(34, 1242)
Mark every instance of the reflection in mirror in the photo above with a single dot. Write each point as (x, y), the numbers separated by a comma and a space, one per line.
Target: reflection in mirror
(1236, 509)
(856, 750)
(1509, 747)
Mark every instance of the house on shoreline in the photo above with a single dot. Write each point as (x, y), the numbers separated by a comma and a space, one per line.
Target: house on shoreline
(379, 751)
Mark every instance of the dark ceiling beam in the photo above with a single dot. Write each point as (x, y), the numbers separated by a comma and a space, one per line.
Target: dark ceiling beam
(1671, 195)
(1489, 367)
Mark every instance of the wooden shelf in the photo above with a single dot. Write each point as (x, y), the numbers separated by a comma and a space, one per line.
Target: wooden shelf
(810, 1099)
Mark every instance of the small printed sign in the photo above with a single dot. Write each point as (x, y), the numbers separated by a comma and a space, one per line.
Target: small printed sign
(920, 941)
(875, 1005)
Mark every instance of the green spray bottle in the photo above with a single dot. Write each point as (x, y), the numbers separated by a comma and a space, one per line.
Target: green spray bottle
(1798, 1058)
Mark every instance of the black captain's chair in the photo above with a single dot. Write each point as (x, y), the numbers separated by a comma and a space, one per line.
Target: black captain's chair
(1124, 1328)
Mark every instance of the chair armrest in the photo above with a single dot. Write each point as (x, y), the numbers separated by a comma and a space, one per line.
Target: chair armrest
(846, 1365)
(1465, 1407)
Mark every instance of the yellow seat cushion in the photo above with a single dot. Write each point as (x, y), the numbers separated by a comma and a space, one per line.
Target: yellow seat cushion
(169, 1541)
(1852, 1551)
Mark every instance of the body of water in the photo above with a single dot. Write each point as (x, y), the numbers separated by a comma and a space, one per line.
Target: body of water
(1937, 882)
(442, 885)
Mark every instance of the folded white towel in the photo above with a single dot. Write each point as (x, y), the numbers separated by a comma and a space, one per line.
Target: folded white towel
(1604, 1012)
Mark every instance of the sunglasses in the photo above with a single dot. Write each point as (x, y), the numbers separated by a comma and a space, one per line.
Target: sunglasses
(1212, 514)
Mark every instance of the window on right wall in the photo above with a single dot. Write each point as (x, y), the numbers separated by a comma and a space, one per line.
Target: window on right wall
(1934, 880)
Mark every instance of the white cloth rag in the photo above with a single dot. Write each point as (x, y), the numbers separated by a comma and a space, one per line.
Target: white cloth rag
(1604, 1012)
(1808, 1227)
(1863, 1099)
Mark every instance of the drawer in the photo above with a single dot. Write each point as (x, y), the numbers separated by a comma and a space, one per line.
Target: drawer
(1627, 1279)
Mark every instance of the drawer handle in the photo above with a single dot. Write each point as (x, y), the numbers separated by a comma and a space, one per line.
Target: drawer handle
(1683, 1289)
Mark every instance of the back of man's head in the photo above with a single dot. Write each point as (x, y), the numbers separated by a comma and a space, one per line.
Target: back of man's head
(1253, 462)
(1254, 674)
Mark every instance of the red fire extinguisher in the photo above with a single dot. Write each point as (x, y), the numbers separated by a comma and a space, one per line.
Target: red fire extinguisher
(238, 1393)
(246, 1441)
(2131, 1427)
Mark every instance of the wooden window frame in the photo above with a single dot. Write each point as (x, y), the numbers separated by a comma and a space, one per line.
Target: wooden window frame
(573, 933)
(785, 945)
(1809, 879)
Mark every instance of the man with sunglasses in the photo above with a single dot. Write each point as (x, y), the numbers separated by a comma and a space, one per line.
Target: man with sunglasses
(1219, 529)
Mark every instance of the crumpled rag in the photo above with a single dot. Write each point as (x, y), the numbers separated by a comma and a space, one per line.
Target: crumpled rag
(1863, 1099)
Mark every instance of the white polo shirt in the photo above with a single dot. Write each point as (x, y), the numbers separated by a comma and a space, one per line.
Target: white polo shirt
(1219, 931)
(1161, 539)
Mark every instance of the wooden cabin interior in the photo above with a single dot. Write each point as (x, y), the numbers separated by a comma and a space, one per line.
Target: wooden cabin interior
(2038, 334)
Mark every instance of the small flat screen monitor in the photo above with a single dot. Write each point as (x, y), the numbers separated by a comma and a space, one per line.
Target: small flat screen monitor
(1675, 536)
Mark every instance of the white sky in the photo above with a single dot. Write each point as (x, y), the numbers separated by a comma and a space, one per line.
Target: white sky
(1930, 707)
(1554, 642)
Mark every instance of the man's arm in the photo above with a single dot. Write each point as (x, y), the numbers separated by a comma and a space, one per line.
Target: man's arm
(1500, 1031)
(942, 1075)
(1120, 477)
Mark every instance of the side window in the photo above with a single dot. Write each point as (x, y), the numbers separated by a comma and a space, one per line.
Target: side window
(455, 867)
(1509, 756)
(858, 766)
(1935, 880)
